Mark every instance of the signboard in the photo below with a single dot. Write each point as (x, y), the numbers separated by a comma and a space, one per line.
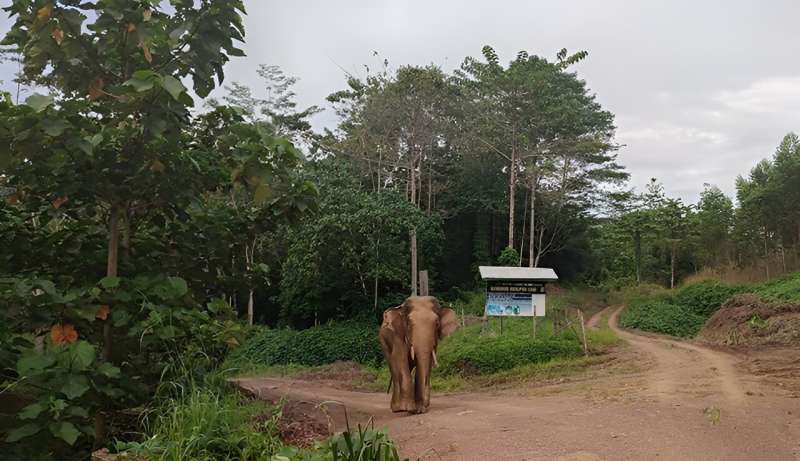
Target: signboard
(515, 299)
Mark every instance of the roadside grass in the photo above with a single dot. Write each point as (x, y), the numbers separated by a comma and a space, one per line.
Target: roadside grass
(376, 379)
(683, 311)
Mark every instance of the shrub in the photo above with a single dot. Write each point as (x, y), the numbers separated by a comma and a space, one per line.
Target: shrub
(345, 341)
(783, 289)
(209, 424)
(361, 444)
(662, 316)
(467, 352)
(508, 257)
(705, 298)
(469, 302)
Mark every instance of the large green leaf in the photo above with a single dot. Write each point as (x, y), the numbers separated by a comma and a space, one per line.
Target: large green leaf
(140, 84)
(75, 386)
(83, 355)
(33, 362)
(173, 86)
(22, 432)
(66, 431)
(39, 102)
(109, 282)
(32, 411)
(54, 127)
(109, 370)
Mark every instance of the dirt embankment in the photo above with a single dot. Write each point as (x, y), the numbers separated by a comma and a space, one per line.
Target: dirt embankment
(766, 336)
(746, 321)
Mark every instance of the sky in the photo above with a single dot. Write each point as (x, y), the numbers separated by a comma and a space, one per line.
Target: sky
(701, 91)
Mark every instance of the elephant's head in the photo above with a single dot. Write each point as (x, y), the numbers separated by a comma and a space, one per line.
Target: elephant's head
(410, 335)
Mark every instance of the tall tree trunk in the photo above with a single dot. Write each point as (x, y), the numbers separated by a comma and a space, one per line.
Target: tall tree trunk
(766, 253)
(249, 259)
(413, 262)
(112, 270)
(522, 233)
(531, 261)
(512, 181)
(672, 266)
(250, 306)
(413, 234)
(637, 255)
(430, 185)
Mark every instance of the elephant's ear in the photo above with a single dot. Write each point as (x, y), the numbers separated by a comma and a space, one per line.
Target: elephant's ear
(448, 322)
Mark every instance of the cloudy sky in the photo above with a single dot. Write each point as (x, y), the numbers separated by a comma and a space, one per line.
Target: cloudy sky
(701, 90)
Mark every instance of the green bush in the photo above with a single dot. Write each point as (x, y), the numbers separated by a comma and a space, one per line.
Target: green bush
(786, 289)
(468, 352)
(705, 298)
(662, 316)
(345, 341)
(207, 424)
(360, 444)
(469, 302)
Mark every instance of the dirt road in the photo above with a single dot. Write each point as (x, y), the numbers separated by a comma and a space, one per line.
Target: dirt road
(666, 399)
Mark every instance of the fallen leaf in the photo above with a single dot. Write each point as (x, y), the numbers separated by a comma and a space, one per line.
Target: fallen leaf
(102, 313)
(12, 199)
(44, 12)
(131, 27)
(58, 35)
(157, 167)
(63, 333)
(96, 88)
(60, 201)
(147, 56)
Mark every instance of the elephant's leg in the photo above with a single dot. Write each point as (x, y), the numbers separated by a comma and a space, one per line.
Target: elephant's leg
(396, 357)
(404, 382)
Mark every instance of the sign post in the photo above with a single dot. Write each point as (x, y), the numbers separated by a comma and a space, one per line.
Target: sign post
(516, 292)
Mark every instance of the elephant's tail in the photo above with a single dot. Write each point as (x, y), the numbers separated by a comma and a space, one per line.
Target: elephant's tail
(389, 387)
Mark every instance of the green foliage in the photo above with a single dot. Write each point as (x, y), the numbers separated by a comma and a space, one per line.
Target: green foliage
(508, 257)
(704, 298)
(785, 289)
(208, 424)
(354, 250)
(362, 444)
(468, 352)
(214, 421)
(166, 334)
(660, 316)
(469, 302)
(343, 341)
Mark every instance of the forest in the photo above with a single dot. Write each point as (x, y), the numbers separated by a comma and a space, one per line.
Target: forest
(146, 224)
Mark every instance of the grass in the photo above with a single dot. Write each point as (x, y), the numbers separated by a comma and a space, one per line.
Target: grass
(206, 424)
(444, 380)
(684, 311)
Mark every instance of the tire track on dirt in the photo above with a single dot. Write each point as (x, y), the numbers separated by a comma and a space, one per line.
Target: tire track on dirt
(683, 368)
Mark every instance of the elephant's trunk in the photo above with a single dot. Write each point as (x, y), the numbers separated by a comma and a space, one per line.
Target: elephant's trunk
(424, 360)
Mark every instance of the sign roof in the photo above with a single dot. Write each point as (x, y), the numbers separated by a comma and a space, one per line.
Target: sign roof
(517, 273)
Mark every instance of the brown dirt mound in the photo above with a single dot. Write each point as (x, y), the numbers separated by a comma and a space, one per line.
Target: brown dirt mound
(348, 375)
(746, 320)
(302, 424)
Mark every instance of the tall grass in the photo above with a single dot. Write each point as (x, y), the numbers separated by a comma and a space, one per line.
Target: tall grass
(209, 423)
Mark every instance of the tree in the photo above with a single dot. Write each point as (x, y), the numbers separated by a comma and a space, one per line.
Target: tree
(277, 111)
(543, 121)
(353, 251)
(395, 124)
(715, 216)
(112, 137)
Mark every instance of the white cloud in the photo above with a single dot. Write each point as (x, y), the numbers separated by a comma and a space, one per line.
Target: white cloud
(769, 95)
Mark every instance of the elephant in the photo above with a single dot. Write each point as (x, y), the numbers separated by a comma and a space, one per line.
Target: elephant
(409, 336)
